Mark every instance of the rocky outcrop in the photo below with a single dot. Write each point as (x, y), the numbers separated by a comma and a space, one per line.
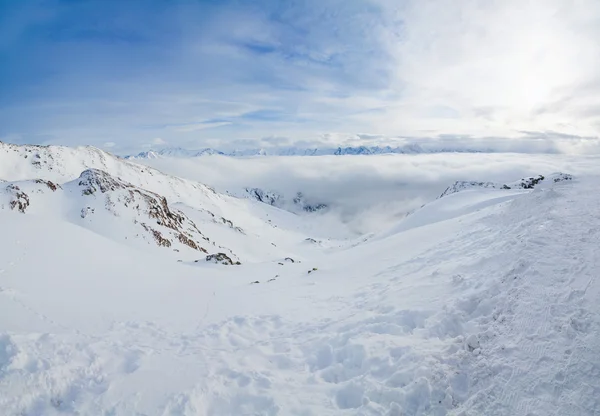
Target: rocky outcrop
(268, 197)
(121, 198)
(298, 203)
(96, 193)
(221, 258)
(523, 183)
(19, 200)
(53, 186)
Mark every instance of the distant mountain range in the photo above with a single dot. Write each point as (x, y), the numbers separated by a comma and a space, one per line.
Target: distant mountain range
(297, 151)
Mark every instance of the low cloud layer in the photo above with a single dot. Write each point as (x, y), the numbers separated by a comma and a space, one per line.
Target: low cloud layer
(369, 193)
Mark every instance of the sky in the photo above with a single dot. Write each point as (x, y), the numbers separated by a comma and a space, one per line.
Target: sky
(131, 75)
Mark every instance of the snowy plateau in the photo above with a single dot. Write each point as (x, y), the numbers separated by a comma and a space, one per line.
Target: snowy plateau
(160, 286)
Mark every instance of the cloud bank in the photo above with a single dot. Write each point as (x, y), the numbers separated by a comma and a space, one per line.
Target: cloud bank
(369, 193)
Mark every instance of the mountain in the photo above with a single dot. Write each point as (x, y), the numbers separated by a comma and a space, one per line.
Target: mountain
(412, 148)
(482, 302)
(141, 206)
(111, 207)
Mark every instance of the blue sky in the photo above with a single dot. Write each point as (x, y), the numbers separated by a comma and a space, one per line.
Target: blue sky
(129, 75)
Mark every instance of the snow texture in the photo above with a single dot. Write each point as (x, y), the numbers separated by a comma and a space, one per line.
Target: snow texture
(484, 302)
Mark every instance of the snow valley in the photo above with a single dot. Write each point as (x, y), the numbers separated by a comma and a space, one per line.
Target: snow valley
(400, 284)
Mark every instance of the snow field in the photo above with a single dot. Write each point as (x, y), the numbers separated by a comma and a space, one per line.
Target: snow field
(493, 311)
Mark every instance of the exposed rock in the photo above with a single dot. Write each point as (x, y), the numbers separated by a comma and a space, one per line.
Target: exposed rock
(298, 202)
(53, 186)
(118, 192)
(190, 243)
(267, 197)
(230, 224)
(561, 177)
(86, 211)
(20, 200)
(160, 240)
(524, 183)
(92, 180)
(221, 258)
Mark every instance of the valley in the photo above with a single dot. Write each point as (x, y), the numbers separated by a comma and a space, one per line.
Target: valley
(114, 298)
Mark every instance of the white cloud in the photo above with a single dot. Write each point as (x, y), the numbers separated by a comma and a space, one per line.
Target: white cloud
(376, 67)
(158, 141)
(499, 65)
(200, 126)
(370, 193)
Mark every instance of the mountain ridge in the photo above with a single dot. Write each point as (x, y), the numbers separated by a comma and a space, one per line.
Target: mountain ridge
(93, 188)
(411, 148)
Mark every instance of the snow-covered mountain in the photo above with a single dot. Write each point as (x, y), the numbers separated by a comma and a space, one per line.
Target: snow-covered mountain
(412, 148)
(135, 204)
(483, 302)
(113, 208)
(174, 152)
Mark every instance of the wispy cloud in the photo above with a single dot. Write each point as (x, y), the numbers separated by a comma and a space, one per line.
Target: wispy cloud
(218, 72)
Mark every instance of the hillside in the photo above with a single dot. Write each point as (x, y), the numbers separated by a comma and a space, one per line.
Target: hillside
(242, 227)
(483, 302)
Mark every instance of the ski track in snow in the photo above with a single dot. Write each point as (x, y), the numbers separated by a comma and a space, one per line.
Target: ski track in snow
(517, 334)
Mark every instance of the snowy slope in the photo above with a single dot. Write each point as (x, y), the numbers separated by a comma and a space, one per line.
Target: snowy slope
(113, 208)
(483, 303)
(523, 183)
(257, 231)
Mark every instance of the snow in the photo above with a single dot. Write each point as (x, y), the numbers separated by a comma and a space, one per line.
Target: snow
(483, 302)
